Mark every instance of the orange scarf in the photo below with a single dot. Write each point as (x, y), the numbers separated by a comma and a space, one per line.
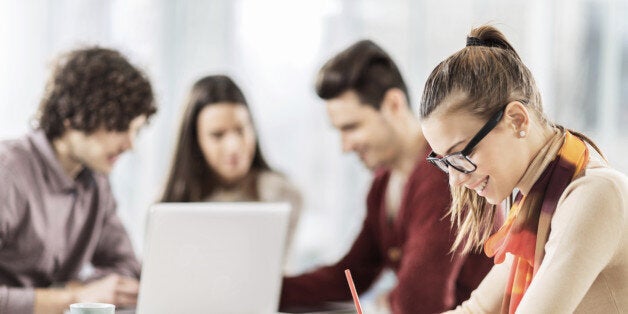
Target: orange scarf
(527, 226)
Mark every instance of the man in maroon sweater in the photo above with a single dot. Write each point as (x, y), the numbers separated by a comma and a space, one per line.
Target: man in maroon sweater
(405, 227)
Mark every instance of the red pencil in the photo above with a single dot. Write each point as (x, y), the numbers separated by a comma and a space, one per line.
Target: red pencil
(354, 293)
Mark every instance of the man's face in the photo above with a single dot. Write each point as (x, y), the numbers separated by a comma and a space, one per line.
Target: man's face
(100, 149)
(364, 130)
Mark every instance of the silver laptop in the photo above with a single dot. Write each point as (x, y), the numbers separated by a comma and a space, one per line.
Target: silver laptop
(213, 258)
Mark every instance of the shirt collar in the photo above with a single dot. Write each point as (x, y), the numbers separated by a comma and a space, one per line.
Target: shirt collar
(53, 170)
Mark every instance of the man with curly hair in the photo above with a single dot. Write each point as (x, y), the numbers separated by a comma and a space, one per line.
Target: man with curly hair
(57, 211)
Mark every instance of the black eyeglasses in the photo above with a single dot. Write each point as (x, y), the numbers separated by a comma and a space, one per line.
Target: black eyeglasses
(460, 160)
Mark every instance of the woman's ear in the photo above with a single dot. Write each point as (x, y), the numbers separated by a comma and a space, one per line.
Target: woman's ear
(517, 118)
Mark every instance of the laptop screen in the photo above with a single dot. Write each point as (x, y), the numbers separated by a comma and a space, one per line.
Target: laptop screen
(213, 258)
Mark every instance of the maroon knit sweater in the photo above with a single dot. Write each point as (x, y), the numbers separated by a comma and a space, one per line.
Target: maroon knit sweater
(415, 246)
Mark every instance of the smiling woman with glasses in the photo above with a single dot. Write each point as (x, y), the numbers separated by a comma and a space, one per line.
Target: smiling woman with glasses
(564, 245)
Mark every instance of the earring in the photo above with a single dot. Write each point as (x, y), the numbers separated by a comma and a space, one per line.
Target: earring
(522, 133)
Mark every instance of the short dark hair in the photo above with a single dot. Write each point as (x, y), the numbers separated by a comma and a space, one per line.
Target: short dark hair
(365, 68)
(92, 88)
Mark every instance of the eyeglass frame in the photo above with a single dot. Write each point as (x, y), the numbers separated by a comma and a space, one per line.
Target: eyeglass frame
(487, 128)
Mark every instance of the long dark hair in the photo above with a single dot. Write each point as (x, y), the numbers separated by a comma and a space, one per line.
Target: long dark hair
(191, 179)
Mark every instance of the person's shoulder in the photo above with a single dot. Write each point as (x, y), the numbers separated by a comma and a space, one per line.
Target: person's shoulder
(426, 169)
(15, 155)
(272, 179)
(605, 184)
(274, 185)
(428, 179)
(600, 176)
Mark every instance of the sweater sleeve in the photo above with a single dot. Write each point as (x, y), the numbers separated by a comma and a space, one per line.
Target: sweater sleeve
(487, 298)
(428, 273)
(17, 300)
(426, 278)
(12, 299)
(328, 283)
(586, 232)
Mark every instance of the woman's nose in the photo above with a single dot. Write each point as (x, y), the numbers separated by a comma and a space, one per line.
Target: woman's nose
(232, 142)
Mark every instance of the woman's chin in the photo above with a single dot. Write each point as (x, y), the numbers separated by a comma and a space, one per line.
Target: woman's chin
(494, 199)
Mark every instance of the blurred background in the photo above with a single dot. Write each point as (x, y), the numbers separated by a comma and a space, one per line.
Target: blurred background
(577, 50)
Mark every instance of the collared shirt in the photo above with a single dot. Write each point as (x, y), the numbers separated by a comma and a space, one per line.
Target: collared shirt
(52, 225)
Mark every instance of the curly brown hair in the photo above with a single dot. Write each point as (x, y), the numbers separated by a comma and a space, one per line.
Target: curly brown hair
(92, 88)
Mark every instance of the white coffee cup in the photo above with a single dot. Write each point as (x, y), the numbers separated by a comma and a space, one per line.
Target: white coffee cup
(92, 308)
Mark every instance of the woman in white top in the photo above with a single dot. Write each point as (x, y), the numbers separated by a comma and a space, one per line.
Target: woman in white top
(564, 245)
(217, 156)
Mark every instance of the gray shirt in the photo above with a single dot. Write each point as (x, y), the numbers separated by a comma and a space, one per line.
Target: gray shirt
(51, 225)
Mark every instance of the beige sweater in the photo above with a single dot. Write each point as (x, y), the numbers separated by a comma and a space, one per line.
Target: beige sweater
(272, 187)
(585, 269)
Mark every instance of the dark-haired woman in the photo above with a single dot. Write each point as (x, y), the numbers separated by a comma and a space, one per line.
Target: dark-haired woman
(217, 157)
(564, 245)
